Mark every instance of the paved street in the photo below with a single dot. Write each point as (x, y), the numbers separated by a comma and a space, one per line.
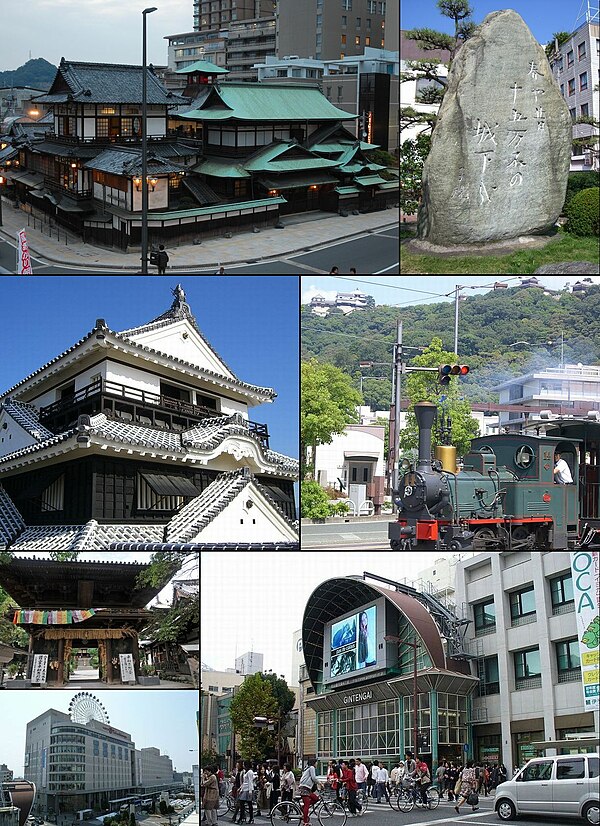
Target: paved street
(312, 244)
(346, 535)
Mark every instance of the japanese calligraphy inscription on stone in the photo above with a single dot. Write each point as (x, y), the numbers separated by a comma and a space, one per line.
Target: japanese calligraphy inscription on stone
(500, 150)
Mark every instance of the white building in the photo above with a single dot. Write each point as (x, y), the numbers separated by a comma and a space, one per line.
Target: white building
(77, 766)
(411, 90)
(5, 773)
(153, 768)
(196, 772)
(573, 389)
(524, 637)
(354, 456)
(249, 663)
(575, 68)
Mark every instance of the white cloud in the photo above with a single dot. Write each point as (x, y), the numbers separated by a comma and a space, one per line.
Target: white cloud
(312, 291)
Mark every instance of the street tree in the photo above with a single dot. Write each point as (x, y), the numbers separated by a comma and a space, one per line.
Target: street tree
(254, 698)
(449, 399)
(328, 404)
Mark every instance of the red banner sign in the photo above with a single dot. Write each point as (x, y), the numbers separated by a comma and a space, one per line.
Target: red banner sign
(23, 258)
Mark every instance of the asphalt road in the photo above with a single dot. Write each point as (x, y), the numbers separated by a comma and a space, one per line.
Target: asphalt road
(351, 535)
(371, 254)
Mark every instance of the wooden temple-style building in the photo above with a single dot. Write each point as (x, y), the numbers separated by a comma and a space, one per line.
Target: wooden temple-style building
(65, 606)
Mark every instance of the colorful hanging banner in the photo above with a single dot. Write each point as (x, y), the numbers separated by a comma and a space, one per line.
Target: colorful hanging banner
(26, 616)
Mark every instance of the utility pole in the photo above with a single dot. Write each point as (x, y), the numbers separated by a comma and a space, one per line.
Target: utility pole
(398, 356)
(456, 302)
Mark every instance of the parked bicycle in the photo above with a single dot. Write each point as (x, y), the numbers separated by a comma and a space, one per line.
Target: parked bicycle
(410, 796)
(328, 812)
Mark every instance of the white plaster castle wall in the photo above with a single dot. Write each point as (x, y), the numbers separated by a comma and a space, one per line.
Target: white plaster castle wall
(229, 407)
(132, 377)
(13, 437)
(191, 348)
(236, 523)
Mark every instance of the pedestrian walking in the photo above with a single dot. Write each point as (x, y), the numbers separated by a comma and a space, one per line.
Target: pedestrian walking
(451, 780)
(235, 790)
(375, 779)
(288, 783)
(440, 774)
(468, 788)
(162, 259)
(333, 778)
(246, 792)
(382, 784)
(361, 773)
(275, 787)
(210, 785)
(349, 781)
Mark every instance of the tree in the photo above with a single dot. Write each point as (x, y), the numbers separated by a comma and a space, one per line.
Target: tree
(328, 404)
(424, 387)
(254, 698)
(10, 633)
(412, 158)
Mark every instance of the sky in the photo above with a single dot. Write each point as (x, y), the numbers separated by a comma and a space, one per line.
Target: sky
(414, 289)
(544, 17)
(163, 719)
(100, 31)
(255, 603)
(251, 321)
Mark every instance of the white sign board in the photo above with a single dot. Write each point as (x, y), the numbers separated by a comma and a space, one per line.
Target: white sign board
(586, 586)
(40, 666)
(127, 669)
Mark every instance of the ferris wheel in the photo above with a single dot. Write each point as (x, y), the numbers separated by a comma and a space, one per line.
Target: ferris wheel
(85, 707)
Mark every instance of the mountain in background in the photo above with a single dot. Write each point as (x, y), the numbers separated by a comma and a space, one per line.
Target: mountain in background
(34, 72)
(489, 325)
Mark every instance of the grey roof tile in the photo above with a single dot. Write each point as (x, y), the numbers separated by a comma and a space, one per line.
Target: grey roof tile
(28, 417)
(88, 537)
(205, 546)
(120, 161)
(134, 434)
(106, 83)
(11, 521)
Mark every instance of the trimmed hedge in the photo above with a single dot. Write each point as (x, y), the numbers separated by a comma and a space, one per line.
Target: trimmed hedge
(583, 212)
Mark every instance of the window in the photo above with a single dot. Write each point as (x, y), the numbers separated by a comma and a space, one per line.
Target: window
(347, 5)
(489, 680)
(358, 22)
(570, 59)
(367, 41)
(343, 39)
(527, 666)
(485, 617)
(522, 603)
(583, 81)
(572, 769)
(368, 21)
(344, 19)
(148, 500)
(561, 591)
(372, 6)
(96, 748)
(113, 750)
(53, 498)
(537, 771)
(585, 110)
(104, 749)
(319, 20)
(567, 656)
(581, 51)
(357, 40)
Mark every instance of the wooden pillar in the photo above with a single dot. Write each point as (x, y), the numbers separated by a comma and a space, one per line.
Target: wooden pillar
(60, 676)
(29, 668)
(109, 666)
(136, 654)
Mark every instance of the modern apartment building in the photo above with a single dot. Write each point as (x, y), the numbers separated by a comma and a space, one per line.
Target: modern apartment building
(215, 14)
(76, 766)
(153, 768)
(249, 663)
(5, 773)
(575, 66)
(524, 639)
(573, 389)
(330, 29)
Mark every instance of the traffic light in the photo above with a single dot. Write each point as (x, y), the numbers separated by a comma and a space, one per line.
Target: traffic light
(446, 371)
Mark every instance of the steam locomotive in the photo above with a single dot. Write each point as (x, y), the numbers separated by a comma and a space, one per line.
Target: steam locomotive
(505, 497)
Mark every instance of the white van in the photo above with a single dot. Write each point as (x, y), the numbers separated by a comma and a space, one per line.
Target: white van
(565, 785)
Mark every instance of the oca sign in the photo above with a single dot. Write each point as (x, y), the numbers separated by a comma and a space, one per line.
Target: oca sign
(585, 567)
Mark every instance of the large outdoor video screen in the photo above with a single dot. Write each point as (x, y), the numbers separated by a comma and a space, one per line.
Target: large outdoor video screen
(351, 643)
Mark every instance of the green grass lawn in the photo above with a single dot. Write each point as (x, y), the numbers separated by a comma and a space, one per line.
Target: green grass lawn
(565, 248)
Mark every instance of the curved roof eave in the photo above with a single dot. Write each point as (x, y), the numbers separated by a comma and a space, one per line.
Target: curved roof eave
(329, 599)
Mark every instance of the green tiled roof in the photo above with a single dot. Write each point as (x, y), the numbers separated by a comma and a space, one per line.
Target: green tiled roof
(347, 190)
(389, 185)
(190, 213)
(272, 159)
(261, 101)
(293, 181)
(203, 66)
(368, 180)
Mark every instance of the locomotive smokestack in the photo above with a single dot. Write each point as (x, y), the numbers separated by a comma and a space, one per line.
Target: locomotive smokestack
(425, 413)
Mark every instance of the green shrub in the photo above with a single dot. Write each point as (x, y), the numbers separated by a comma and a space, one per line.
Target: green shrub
(578, 181)
(314, 501)
(339, 508)
(583, 212)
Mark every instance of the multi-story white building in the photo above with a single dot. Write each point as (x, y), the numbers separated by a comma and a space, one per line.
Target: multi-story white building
(249, 663)
(524, 638)
(575, 66)
(153, 768)
(5, 773)
(77, 766)
(411, 90)
(573, 389)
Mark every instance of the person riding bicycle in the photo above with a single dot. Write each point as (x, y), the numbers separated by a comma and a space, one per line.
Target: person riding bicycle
(408, 777)
(307, 782)
(423, 779)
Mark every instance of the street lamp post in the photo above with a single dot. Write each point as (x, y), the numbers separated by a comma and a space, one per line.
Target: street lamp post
(144, 239)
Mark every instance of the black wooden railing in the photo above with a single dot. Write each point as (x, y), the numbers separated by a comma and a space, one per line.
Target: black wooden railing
(143, 398)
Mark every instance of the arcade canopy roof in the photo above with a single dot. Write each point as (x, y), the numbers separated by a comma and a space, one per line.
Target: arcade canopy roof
(41, 583)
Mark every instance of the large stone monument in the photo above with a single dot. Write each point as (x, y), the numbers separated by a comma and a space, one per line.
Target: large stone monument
(501, 147)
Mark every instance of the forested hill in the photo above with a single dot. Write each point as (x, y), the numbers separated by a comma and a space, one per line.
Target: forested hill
(489, 323)
(36, 71)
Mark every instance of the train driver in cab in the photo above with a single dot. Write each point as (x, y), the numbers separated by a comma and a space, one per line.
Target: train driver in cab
(562, 472)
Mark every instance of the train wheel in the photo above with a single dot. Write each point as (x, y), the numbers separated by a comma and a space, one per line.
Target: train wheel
(484, 539)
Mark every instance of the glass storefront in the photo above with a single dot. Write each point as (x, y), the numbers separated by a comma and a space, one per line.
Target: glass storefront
(525, 750)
